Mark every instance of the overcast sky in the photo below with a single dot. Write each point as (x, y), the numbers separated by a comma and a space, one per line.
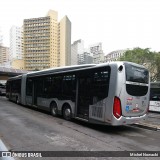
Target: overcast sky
(118, 24)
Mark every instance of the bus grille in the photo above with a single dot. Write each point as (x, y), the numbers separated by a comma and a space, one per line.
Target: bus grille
(97, 111)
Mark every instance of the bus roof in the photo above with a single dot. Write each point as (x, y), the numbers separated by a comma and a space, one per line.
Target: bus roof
(14, 78)
(72, 68)
(60, 69)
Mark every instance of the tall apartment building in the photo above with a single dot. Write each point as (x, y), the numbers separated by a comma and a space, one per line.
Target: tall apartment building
(64, 42)
(97, 52)
(77, 50)
(47, 43)
(4, 55)
(16, 42)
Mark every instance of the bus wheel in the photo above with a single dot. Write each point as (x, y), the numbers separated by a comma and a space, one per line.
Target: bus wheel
(54, 109)
(67, 112)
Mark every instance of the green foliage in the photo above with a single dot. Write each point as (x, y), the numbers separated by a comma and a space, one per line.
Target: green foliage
(149, 59)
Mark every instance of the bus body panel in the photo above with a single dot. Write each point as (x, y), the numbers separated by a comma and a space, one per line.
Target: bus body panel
(28, 100)
(111, 94)
(23, 89)
(97, 110)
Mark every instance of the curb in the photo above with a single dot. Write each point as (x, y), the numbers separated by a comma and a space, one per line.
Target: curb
(147, 126)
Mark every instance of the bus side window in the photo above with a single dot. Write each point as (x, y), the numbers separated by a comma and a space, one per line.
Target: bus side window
(100, 84)
(56, 88)
(69, 86)
(40, 84)
(47, 87)
(29, 87)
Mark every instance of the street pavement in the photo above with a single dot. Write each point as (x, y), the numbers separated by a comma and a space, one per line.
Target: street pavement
(27, 129)
(152, 122)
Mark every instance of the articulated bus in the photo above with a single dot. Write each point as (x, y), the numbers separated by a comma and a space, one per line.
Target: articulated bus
(154, 97)
(115, 93)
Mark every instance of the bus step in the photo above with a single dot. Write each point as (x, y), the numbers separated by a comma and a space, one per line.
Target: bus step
(35, 106)
(86, 120)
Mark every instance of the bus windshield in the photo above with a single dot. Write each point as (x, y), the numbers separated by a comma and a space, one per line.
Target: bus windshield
(136, 74)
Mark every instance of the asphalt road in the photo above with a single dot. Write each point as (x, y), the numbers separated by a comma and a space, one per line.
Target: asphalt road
(26, 129)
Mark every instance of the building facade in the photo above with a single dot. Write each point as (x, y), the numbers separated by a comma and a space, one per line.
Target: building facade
(64, 42)
(47, 43)
(16, 42)
(97, 52)
(4, 55)
(77, 50)
(1, 37)
(85, 58)
(17, 63)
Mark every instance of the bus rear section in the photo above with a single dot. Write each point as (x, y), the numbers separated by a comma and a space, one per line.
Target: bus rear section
(131, 101)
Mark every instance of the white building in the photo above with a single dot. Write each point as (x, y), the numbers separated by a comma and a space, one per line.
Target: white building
(85, 58)
(4, 56)
(16, 42)
(77, 50)
(97, 52)
(1, 37)
(114, 55)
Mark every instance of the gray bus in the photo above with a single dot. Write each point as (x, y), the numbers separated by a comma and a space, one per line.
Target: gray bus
(115, 93)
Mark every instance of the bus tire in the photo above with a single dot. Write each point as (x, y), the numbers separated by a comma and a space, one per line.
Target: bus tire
(54, 109)
(67, 112)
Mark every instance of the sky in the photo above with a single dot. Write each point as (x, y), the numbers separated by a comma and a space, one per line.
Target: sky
(118, 24)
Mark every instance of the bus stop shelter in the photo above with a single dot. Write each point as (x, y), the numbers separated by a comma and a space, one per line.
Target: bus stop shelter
(6, 73)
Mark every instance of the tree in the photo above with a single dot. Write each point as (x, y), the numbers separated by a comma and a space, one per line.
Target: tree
(151, 60)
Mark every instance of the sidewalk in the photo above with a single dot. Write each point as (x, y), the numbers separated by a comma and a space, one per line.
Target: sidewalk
(152, 122)
(4, 152)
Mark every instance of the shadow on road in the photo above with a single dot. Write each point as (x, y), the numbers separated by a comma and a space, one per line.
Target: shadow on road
(107, 128)
(102, 128)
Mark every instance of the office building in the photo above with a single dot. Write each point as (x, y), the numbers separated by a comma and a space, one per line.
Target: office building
(97, 52)
(1, 38)
(64, 42)
(85, 58)
(16, 42)
(4, 55)
(77, 50)
(47, 43)
(17, 63)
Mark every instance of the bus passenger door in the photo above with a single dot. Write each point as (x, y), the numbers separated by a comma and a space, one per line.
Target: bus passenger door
(31, 92)
(83, 100)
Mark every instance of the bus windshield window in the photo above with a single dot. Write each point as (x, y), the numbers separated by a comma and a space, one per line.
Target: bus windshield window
(136, 74)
